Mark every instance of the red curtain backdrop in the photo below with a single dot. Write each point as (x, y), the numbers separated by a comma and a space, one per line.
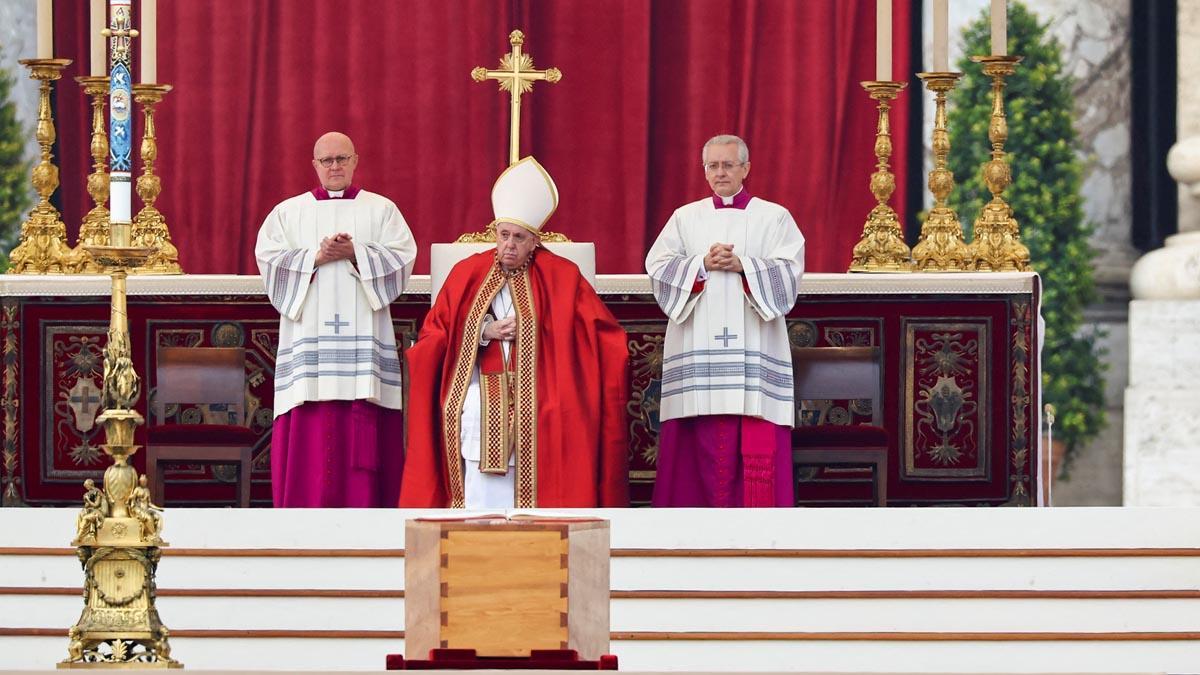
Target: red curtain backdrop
(645, 83)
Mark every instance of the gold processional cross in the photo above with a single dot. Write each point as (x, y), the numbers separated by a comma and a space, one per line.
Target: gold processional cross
(516, 76)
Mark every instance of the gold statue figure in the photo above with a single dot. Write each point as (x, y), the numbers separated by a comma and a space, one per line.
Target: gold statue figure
(146, 512)
(94, 511)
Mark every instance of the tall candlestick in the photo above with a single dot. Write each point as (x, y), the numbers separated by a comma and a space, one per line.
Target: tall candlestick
(941, 247)
(149, 37)
(45, 29)
(150, 225)
(882, 247)
(883, 40)
(997, 245)
(98, 64)
(999, 27)
(43, 248)
(941, 36)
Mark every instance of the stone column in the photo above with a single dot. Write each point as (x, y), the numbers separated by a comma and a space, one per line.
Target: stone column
(1162, 402)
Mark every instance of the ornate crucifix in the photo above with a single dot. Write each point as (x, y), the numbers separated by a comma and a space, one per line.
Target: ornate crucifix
(516, 76)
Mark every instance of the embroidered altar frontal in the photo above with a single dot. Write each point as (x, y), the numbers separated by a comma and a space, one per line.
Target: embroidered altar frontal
(959, 379)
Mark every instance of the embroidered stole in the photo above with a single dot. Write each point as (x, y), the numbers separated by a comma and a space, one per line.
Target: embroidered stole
(509, 392)
(497, 408)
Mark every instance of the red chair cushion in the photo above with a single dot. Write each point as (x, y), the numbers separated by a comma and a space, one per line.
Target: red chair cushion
(201, 434)
(839, 436)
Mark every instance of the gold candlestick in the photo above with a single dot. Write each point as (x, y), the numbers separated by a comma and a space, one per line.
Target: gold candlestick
(997, 246)
(149, 225)
(93, 231)
(43, 248)
(118, 532)
(941, 247)
(882, 247)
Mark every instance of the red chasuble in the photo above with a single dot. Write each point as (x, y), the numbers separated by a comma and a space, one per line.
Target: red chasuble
(569, 393)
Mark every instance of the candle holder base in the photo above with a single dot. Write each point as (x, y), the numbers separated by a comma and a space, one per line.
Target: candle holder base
(997, 243)
(150, 225)
(881, 247)
(941, 247)
(93, 231)
(43, 246)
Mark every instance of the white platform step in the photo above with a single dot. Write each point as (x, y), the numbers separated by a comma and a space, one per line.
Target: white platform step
(845, 590)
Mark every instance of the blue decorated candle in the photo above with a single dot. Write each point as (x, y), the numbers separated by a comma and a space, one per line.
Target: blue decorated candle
(120, 127)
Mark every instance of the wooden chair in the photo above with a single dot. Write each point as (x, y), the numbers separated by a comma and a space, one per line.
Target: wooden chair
(823, 373)
(198, 375)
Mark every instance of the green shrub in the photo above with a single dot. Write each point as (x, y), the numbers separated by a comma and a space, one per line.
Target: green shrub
(15, 191)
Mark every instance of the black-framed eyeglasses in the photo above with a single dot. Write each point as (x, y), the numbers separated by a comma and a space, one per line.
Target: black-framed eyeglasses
(340, 160)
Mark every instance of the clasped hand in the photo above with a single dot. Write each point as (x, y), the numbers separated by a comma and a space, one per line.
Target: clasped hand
(501, 329)
(337, 247)
(720, 257)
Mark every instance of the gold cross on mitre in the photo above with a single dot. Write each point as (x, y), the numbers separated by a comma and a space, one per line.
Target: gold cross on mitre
(516, 76)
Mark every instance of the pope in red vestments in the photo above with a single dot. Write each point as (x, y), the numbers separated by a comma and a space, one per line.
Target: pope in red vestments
(520, 330)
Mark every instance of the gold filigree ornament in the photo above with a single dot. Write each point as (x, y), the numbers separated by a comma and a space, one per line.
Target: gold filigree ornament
(43, 247)
(941, 247)
(881, 247)
(997, 246)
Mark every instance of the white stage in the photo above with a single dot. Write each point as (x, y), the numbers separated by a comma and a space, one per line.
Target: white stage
(846, 590)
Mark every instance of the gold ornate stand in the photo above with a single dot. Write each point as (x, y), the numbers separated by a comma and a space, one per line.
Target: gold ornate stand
(941, 247)
(43, 248)
(149, 225)
(882, 247)
(93, 231)
(118, 531)
(996, 246)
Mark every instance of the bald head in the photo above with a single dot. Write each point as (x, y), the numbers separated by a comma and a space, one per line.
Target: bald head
(337, 150)
(333, 142)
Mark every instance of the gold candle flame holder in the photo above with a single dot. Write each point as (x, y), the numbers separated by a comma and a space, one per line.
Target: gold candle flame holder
(941, 247)
(43, 247)
(93, 231)
(149, 225)
(996, 246)
(882, 247)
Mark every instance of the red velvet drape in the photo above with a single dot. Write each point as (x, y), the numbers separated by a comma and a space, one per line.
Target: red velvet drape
(645, 83)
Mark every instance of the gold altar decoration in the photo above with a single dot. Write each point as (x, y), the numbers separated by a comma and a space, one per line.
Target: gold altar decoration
(93, 231)
(516, 75)
(996, 245)
(941, 247)
(118, 532)
(43, 247)
(881, 247)
(149, 225)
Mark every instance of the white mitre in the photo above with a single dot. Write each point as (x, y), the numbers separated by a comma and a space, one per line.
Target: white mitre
(523, 195)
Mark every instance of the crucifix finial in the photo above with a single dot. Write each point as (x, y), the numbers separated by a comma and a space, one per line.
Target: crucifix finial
(516, 75)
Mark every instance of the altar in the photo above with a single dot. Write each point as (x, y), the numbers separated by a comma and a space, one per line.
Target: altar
(970, 339)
